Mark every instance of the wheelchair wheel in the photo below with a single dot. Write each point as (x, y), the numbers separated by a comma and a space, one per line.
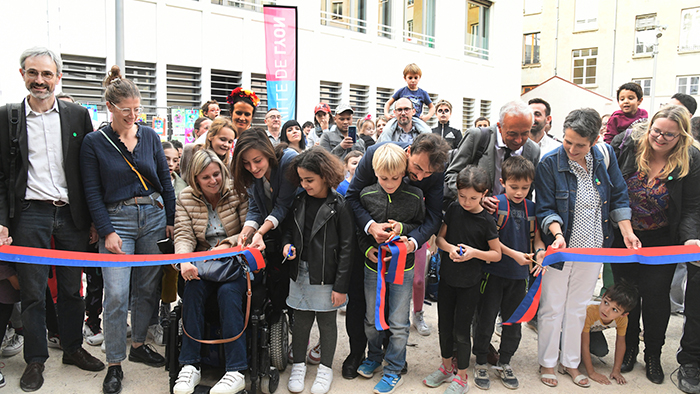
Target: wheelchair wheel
(279, 343)
(270, 382)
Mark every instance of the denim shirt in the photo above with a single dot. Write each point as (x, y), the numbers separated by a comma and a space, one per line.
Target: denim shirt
(556, 186)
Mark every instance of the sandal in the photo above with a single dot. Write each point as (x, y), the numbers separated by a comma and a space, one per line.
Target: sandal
(576, 379)
(549, 376)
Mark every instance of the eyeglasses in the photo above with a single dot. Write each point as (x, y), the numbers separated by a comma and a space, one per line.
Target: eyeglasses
(405, 110)
(127, 111)
(32, 73)
(443, 111)
(274, 117)
(667, 136)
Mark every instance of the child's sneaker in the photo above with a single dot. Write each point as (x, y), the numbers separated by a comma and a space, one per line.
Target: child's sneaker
(93, 337)
(188, 378)
(438, 377)
(314, 355)
(481, 376)
(155, 331)
(2, 380)
(458, 386)
(420, 324)
(368, 367)
(505, 372)
(296, 378)
(388, 384)
(232, 382)
(13, 345)
(324, 378)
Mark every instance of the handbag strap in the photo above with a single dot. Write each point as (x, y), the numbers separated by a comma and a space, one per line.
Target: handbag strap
(249, 295)
(141, 177)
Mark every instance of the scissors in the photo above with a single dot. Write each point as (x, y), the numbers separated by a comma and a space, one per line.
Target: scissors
(289, 254)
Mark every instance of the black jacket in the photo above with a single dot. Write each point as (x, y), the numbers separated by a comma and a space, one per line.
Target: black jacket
(684, 204)
(444, 130)
(75, 124)
(332, 241)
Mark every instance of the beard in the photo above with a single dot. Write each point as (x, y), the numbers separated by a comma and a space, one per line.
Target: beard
(40, 96)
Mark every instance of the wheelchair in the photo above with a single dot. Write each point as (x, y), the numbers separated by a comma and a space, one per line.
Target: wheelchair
(267, 342)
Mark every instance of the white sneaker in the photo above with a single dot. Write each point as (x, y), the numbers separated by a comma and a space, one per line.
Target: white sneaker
(54, 342)
(103, 347)
(230, 383)
(420, 325)
(13, 345)
(314, 355)
(156, 333)
(187, 380)
(324, 378)
(296, 378)
(92, 339)
(2, 380)
(128, 331)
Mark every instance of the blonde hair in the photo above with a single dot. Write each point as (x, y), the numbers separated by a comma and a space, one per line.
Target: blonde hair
(200, 161)
(389, 159)
(412, 69)
(678, 157)
(216, 126)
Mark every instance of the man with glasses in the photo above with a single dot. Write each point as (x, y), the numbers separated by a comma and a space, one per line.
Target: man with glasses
(41, 196)
(451, 135)
(273, 120)
(405, 126)
(336, 140)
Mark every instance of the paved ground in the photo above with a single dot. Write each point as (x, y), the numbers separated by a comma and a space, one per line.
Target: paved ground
(422, 354)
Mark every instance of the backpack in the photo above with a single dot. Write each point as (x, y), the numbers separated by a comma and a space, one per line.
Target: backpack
(504, 213)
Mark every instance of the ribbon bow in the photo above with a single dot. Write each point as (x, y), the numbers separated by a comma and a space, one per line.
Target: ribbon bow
(392, 273)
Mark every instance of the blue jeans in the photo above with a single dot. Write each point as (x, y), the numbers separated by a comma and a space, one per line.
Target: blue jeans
(139, 227)
(33, 225)
(398, 300)
(231, 315)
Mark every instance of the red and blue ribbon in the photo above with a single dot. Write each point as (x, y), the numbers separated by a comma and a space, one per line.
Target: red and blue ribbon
(657, 255)
(392, 273)
(21, 254)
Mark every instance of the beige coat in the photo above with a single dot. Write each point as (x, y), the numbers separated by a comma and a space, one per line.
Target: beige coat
(191, 219)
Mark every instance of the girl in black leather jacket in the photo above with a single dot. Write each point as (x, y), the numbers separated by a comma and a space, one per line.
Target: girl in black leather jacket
(318, 239)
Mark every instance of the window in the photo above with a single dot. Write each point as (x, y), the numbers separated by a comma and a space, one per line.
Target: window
(645, 84)
(690, 30)
(586, 17)
(584, 66)
(144, 76)
(253, 5)
(531, 48)
(183, 86)
(467, 113)
(344, 14)
(82, 79)
(645, 34)
(383, 95)
(331, 94)
(532, 7)
(359, 100)
(384, 20)
(688, 84)
(419, 25)
(476, 42)
(258, 84)
(485, 108)
(222, 83)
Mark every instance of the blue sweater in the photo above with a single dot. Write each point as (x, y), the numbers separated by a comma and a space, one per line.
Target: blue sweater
(108, 179)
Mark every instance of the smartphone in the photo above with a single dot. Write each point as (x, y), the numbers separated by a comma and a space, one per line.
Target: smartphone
(352, 133)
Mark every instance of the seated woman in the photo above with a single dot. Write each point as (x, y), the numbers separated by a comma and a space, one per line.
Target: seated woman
(292, 135)
(220, 139)
(208, 217)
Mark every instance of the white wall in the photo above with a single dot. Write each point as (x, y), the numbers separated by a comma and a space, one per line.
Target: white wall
(200, 34)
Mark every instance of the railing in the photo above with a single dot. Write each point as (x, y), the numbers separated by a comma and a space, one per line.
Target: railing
(418, 38)
(476, 46)
(385, 31)
(343, 21)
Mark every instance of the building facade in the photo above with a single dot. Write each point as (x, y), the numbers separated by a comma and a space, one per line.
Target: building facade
(184, 52)
(600, 45)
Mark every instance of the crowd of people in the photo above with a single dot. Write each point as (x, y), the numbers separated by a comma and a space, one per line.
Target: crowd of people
(345, 212)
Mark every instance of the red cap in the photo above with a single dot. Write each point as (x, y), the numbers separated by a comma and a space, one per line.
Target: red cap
(322, 107)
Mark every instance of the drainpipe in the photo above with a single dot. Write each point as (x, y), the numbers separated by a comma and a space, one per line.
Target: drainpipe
(612, 69)
(119, 34)
(556, 42)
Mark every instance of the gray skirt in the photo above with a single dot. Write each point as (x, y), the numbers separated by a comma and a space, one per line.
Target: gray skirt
(304, 296)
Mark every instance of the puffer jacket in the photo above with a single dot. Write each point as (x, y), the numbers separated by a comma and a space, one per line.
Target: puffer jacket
(332, 241)
(192, 217)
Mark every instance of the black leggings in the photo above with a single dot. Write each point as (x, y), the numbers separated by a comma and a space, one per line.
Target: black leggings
(456, 307)
(303, 321)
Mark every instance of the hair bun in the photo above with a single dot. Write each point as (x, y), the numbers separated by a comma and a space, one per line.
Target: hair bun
(114, 74)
